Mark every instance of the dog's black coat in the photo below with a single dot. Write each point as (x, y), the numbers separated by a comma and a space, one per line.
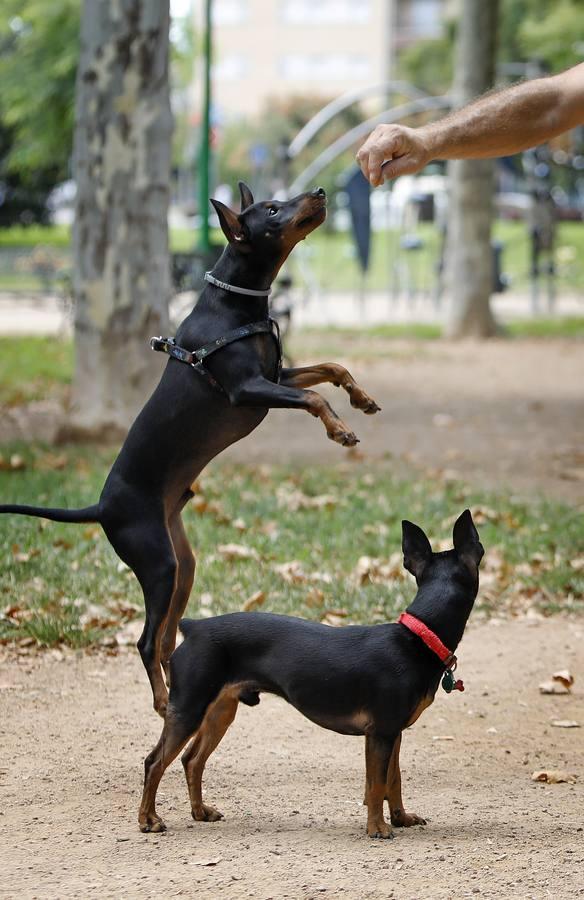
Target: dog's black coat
(371, 680)
(187, 422)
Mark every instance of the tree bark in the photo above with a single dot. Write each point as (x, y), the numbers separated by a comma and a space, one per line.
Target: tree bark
(120, 239)
(469, 255)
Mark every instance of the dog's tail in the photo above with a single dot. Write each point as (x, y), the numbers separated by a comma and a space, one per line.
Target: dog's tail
(88, 514)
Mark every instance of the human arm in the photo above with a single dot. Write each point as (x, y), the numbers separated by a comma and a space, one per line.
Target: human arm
(496, 124)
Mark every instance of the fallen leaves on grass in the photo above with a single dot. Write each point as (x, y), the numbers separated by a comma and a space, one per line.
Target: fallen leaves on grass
(293, 572)
(314, 597)
(233, 552)
(22, 556)
(371, 570)
(293, 499)
(554, 776)
(14, 463)
(257, 599)
(335, 617)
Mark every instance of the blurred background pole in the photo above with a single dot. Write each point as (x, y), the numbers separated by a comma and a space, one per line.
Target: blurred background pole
(205, 148)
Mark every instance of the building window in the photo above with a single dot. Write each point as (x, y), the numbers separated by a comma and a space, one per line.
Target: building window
(230, 12)
(325, 12)
(230, 68)
(420, 18)
(332, 67)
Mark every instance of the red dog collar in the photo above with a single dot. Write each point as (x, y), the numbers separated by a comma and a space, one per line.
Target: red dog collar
(431, 640)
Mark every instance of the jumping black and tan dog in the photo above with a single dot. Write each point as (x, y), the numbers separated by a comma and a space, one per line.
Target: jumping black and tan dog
(223, 376)
(364, 680)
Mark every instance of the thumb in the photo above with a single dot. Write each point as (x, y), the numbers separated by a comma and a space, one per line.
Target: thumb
(400, 165)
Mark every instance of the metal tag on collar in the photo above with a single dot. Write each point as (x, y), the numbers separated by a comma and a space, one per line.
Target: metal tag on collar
(448, 682)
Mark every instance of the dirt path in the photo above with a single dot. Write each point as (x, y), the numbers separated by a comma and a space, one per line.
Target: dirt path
(501, 413)
(497, 414)
(74, 731)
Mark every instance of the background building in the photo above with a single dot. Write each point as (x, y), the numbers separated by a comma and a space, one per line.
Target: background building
(275, 48)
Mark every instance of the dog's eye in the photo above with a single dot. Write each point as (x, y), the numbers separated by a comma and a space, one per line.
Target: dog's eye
(273, 211)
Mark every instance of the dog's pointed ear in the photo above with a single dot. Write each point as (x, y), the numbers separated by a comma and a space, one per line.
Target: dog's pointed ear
(246, 195)
(230, 223)
(467, 542)
(416, 548)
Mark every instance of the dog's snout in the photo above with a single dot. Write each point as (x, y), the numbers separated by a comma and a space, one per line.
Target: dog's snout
(319, 192)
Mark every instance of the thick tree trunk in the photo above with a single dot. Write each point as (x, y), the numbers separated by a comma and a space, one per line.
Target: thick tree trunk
(122, 168)
(470, 259)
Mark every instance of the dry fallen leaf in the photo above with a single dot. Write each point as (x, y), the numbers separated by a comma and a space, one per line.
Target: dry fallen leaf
(331, 618)
(206, 862)
(254, 601)
(293, 572)
(294, 499)
(314, 597)
(15, 464)
(561, 683)
(565, 723)
(554, 776)
(370, 570)
(237, 551)
(565, 677)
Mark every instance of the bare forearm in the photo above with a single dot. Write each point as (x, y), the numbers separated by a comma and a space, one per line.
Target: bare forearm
(497, 124)
(506, 122)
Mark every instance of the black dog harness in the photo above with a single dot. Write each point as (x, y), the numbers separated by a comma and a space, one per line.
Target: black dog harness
(196, 358)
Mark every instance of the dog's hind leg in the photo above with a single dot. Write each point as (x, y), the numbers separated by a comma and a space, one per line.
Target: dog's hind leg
(173, 738)
(218, 717)
(145, 545)
(184, 582)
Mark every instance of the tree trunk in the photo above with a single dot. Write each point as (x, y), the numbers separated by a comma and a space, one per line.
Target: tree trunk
(470, 258)
(120, 239)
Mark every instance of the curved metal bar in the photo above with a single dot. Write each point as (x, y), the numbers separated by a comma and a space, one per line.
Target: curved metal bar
(344, 142)
(328, 112)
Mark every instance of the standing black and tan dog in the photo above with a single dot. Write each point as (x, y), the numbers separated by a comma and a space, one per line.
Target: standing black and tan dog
(223, 377)
(370, 680)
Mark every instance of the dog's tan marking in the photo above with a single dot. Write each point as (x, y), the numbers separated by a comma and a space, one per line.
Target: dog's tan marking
(422, 705)
(331, 373)
(218, 717)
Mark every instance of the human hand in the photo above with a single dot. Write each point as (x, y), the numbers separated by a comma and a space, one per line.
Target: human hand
(392, 150)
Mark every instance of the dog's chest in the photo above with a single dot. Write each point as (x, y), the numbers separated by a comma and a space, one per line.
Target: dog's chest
(424, 703)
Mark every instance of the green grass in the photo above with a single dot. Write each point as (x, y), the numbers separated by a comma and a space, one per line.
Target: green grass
(34, 368)
(63, 583)
(38, 368)
(331, 256)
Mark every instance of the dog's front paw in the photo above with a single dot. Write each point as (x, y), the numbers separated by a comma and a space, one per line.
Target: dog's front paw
(379, 830)
(343, 437)
(361, 400)
(152, 824)
(401, 819)
(204, 813)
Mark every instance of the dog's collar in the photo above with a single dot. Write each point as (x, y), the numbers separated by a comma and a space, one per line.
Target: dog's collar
(431, 640)
(433, 643)
(235, 290)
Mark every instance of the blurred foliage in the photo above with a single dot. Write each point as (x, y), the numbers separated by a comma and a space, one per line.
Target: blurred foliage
(39, 50)
(274, 129)
(40, 44)
(542, 30)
